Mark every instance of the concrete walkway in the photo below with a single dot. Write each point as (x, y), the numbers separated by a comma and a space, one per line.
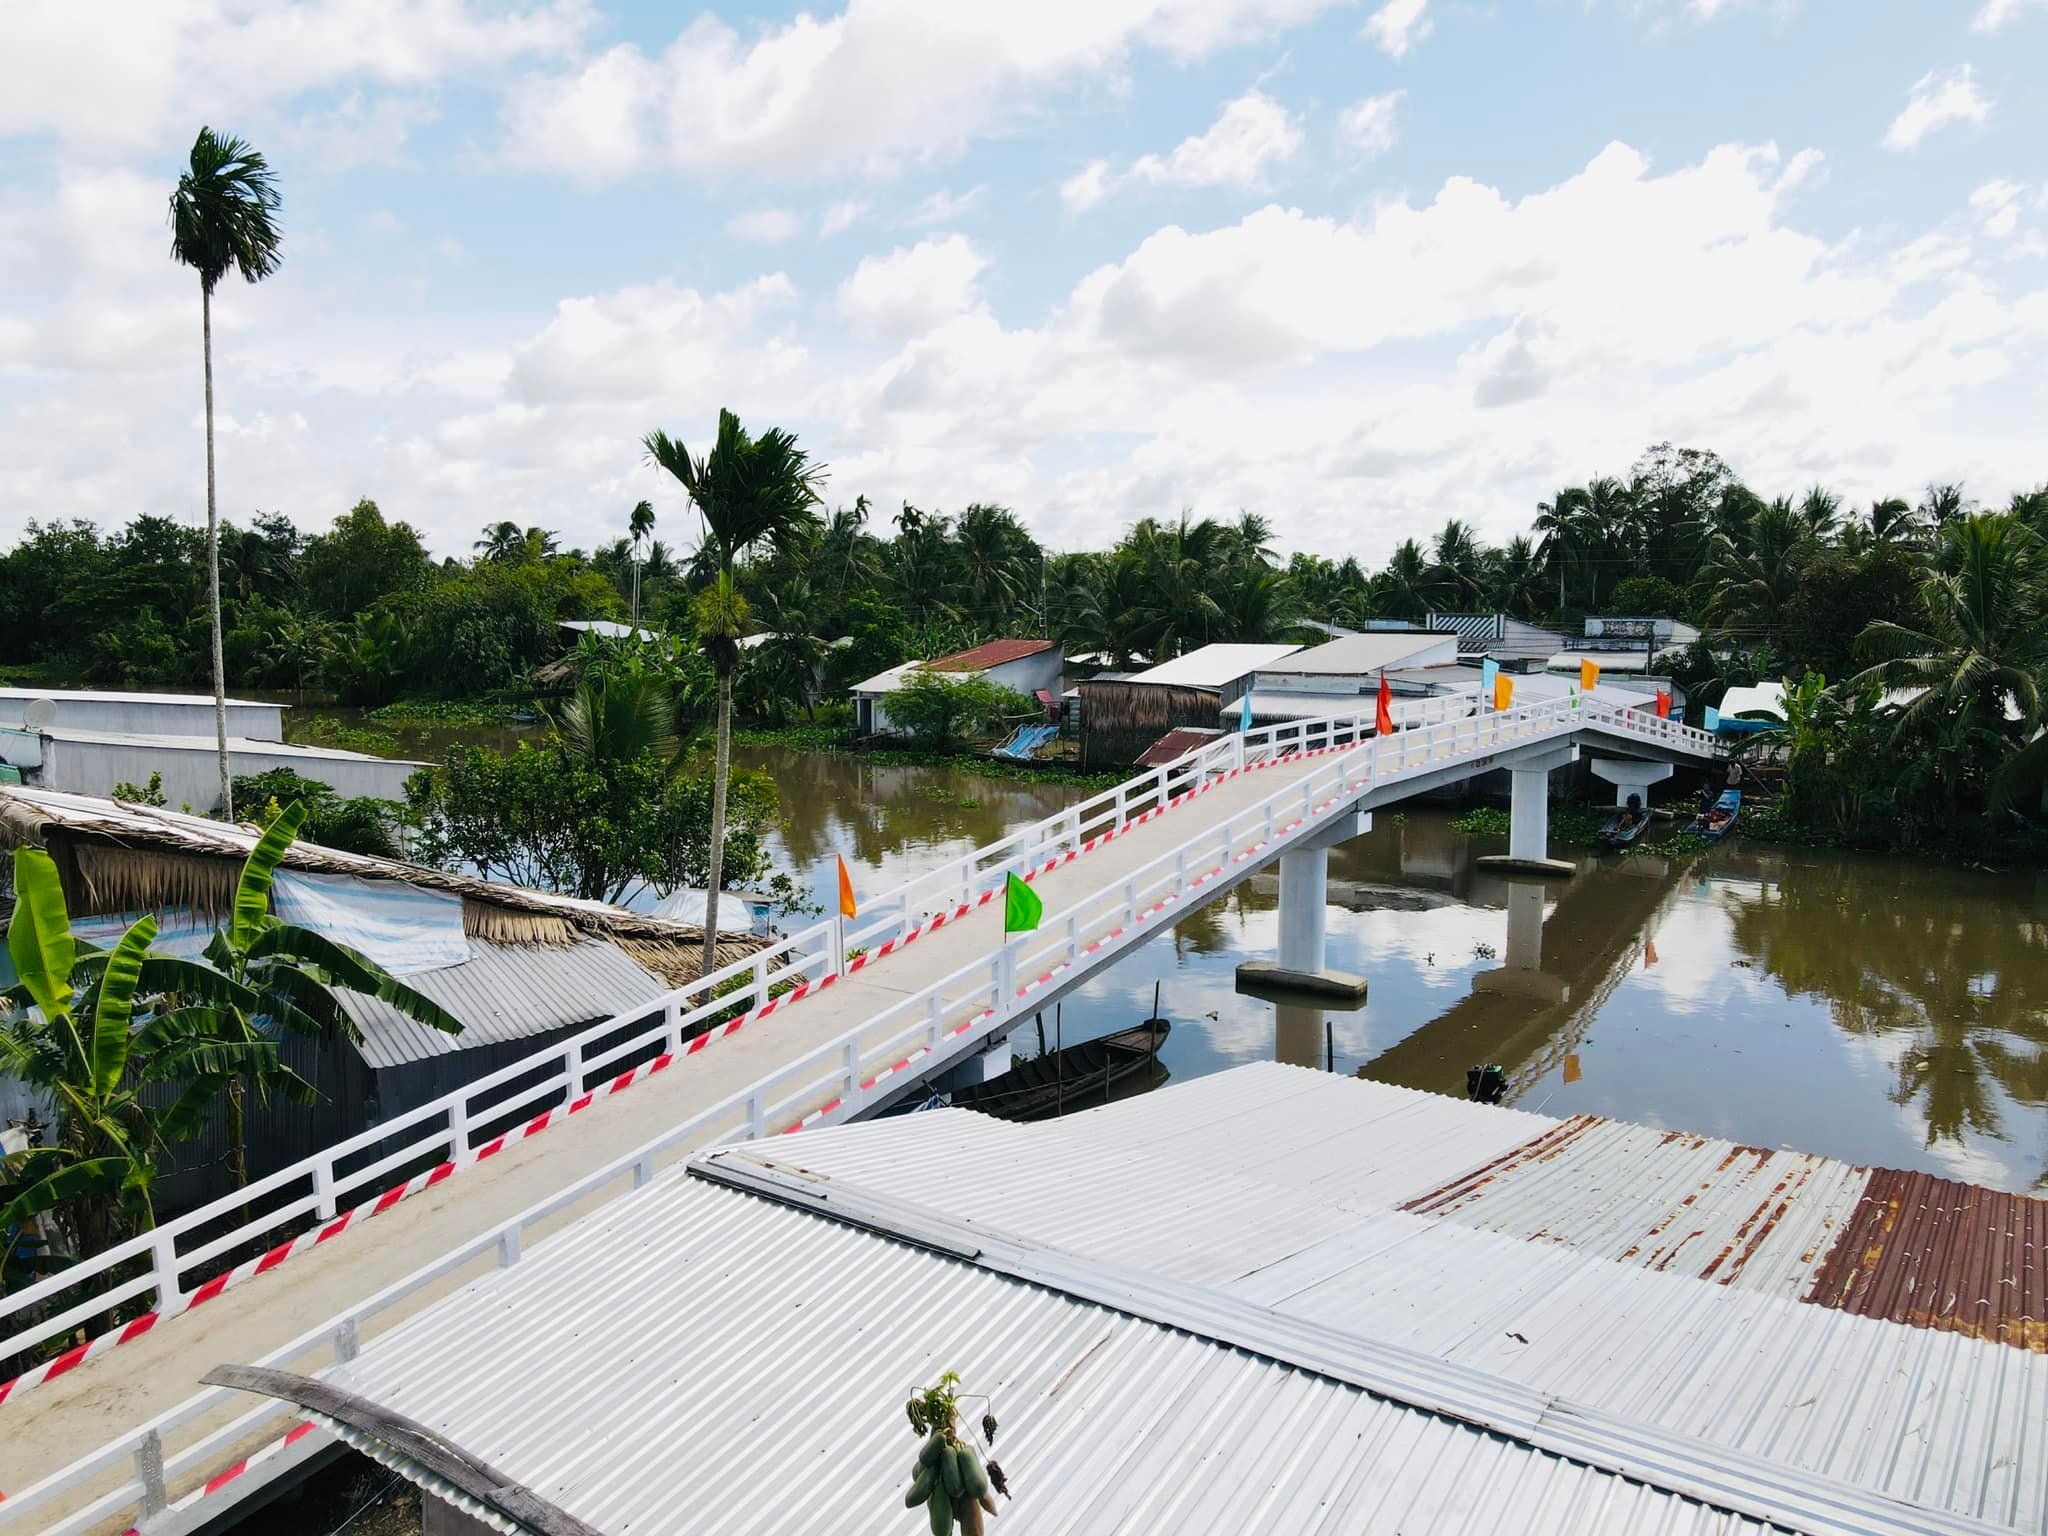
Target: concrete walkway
(73, 1416)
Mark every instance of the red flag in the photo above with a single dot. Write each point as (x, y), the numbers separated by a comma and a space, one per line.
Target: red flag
(1383, 719)
(1663, 705)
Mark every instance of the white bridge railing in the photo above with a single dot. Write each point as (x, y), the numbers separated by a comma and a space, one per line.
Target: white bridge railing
(849, 1073)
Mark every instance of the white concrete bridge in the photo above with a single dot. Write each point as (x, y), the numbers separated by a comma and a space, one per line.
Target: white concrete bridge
(115, 1434)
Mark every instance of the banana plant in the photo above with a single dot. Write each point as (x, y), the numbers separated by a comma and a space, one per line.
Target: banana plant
(291, 973)
(71, 1031)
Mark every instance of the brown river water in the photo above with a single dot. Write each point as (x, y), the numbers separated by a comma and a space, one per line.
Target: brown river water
(1883, 1010)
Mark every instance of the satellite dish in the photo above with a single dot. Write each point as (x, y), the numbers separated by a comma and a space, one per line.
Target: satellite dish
(38, 713)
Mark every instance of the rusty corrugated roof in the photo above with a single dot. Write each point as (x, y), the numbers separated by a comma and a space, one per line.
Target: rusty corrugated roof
(1934, 1253)
(1176, 743)
(990, 653)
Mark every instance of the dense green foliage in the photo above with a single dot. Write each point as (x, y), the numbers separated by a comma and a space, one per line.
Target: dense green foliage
(939, 710)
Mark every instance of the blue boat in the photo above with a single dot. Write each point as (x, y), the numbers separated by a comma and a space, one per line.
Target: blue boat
(1712, 824)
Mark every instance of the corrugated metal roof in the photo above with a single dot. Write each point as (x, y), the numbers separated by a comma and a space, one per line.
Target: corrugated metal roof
(505, 992)
(1213, 666)
(171, 743)
(1359, 654)
(96, 696)
(990, 653)
(692, 1349)
(1933, 1253)
(1668, 1201)
(1175, 744)
(1278, 1185)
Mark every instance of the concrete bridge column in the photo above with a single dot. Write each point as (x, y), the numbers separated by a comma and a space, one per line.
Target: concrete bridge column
(1304, 900)
(1529, 829)
(1630, 776)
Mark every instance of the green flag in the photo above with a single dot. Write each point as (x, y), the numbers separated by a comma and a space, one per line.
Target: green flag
(1021, 906)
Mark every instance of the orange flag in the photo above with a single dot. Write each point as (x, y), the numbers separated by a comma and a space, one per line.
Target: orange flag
(1383, 717)
(1663, 705)
(1503, 691)
(1649, 953)
(846, 908)
(1589, 674)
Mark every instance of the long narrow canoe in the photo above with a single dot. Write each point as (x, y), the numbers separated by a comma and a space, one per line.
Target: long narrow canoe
(1083, 1074)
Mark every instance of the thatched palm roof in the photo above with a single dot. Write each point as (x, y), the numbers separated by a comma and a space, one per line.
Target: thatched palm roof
(119, 857)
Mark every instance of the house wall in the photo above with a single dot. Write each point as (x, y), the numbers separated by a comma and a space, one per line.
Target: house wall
(191, 776)
(161, 717)
(1028, 674)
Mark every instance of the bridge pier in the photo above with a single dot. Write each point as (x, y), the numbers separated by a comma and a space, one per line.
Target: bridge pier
(1529, 827)
(1304, 873)
(1630, 775)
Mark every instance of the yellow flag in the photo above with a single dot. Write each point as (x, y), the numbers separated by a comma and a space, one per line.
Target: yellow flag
(846, 908)
(1503, 691)
(1589, 674)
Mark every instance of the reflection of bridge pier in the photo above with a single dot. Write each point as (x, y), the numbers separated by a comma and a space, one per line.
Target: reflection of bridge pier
(1530, 1011)
(1523, 975)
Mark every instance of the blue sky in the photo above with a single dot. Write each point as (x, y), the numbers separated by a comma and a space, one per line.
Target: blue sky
(1358, 266)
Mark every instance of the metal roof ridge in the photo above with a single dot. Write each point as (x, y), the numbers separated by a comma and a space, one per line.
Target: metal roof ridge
(1735, 1481)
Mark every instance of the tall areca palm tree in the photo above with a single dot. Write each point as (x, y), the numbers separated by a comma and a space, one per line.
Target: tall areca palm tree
(639, 524)
(222, 220)
(750, 491)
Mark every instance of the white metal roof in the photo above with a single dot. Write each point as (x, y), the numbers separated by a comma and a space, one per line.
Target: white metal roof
(158, 742)
(502, 993)
(1632, 1271)
(696, 1349)
(691, 1347)
(887, 682)
(59, 695)
(1359, 654)
(610, 629)
(1759, 699)
(1213, 666)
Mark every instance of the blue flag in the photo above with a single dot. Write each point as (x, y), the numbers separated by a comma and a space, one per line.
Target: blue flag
(1713, 718)
(1489, 669)
(1244, 719)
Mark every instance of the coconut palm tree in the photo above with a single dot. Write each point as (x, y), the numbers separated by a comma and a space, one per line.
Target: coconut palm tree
(750, 491)
(1561, 522)
(1978, 662)
(222, 220)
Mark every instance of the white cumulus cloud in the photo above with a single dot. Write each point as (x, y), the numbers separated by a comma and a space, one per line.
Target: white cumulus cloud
(1937, 99)
(1399, 25)
(913, 288)
(1252, 133)
(1368, 126)
(871, 88)
(1996, 13)
(764, 226)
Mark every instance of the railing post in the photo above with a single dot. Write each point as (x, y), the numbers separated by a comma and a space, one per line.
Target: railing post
(163, 1259)
(1006, 975)
(1123, 816)
(323, 1189)
(1180, 871)
(508, 1248)
(1159, 789)
(672, 1016)
(1073, 938)
(757, 1116)
(760, 992)
(932, 1027)
(849, 1060)
(1237, 756)
(838, 965)
(458, 1118)
(149, 1472)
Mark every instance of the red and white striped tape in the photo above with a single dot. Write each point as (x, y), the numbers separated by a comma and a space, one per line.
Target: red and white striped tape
(227, 1280)
(228, 1474)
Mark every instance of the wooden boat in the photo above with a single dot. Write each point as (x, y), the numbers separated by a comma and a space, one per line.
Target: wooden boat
(1713, 823)
(1622, 828)
(1082, 1075)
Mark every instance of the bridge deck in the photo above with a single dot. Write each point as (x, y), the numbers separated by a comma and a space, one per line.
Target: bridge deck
(75, 1414)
